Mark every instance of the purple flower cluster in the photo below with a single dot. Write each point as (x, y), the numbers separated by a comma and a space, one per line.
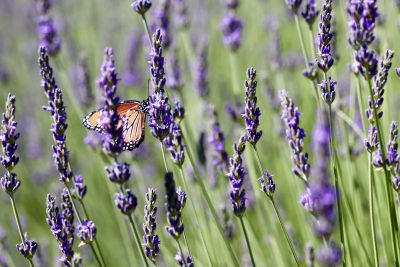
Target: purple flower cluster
(174, 140)
(119, 173)
(56, 108)
(162, 22)
(27, 248)
(379, 81)
(328, 92)
(325, 36)
(174, 204)
(174, 81)
(156, 62)
(200, 68)
(267, 184)
(46, 29)
(131, 76)
(125, 201)
(150, 239)
(80, 187)
(8, 136)
(231, 26)
(371, 143)
(184, 262)
(295, 136)
(87, 231)
(181, 14)
(293, 5)
(320, 197)
(217, 140)
(310, 13)
(226, 222)
(141, 6)
(236, 176)
(61, 222)
(108, 82)
(392, 156)
(252, 112)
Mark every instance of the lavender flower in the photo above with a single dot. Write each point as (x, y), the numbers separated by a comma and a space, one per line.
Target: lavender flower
(162, 14)
(87, 231)
(366, 62)
(118, 173)
(141, 6)
(309, 254)
(187, 262)
(61, 225)
(231, 26)
(181, 16)
(226, 222)
(328, 93)
(311, 72)
(236, 176)
(379, 81)
(82, 81)
(201, 67)
(392, 157)
(80, 187)
(325, 36)
(329, 254)
(217, 140)
(131, 76)
(371, 143)
(174, 208)
(126, 202)
(174, 140)
(160, 117)
(156, 63)
(293, 5)
(295, 136)
(232, 4)
(174, 81)
(150, 238)
(252, 112)
(310, 13)
(46, 29)
(27, 248)
(267, 184)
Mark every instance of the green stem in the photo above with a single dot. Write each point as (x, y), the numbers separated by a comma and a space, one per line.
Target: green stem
(163, 155)
(95, 255)
(311, 37)
(300, 34)
(209, 203)
(234, 71)
(247, 241)
(392, 211)
(187, 244)
(196, 216)
(285, 231)
(360, 103)
(181, 250)
(138, 242)
(277, 212)
(371, 209)
(146, 27)
(21, 235)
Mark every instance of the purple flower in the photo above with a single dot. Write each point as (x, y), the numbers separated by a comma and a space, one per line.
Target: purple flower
(131, 76)
(231, 26)
(174, 81)
(82, 80)
(325, 36)
(267, 184)
(295, 136)
(108, 81)
(252, 112)
(217, 140)
(226, 222)
(379, 81)
(180, 13)
(236, 176)
(61, 224)
(80, 187)
(328, 93)
(27, 248)
(392, 157)
(311, 72)
(174, 140)
(187, 262)
(293, 5)
(371, 143)
(156, 63)
(87, 231)
(366, 62)
(200, 68)
(46, 29)
(329, 255)
(174, 208)
(126, 202)
(150, 239)
(10, 183)
(232, 4)
(160, 116)
(396, 184)
(118, 173)
(141, 6)
(310, 13)
(162, 14)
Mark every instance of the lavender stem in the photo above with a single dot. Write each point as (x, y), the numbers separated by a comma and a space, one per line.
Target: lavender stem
(371, 209)
(247, 241)
(138, 241)
(163, 155)
(392, 211)
(146, 27)
(180, 249)
(21, 235)
(360, 102)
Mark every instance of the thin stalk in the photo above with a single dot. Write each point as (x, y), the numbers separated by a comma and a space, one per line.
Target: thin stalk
(95, 255)
(187, 244)
(163, 155)
(392, 211)
(181, 250)
(311, 37)
(21, 235)
(371, 209)
(360, 102)
(247, 242)
(285, 231)
(277, 212)
(185, 186)
(138, 242)
(300, 34)
(209, 203)
(146, 27)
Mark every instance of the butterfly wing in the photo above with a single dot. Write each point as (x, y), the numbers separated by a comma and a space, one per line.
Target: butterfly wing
(133, 119)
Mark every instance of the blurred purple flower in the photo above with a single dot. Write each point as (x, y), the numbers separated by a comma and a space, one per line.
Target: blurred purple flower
(310, 13)
(174, 208)
(293, 5)
(126, 202)
(329, 254)
(162, 21)
(27, 248)
(231, 26)
(150, 238)
(217, 140)
(181, 13)
(87, 231)
(82, 81)
(46, 29)
(174, 81)
(118, 173)
(187, 262)
(174, 141)
(141, 6)
(201, 68)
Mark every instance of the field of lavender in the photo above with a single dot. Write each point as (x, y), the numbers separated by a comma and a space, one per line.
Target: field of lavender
(270, 133)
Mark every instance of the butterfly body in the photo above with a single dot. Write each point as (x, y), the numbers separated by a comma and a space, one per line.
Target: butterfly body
(132, 117)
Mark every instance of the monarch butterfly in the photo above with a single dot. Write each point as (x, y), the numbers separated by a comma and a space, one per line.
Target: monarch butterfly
(132, 114)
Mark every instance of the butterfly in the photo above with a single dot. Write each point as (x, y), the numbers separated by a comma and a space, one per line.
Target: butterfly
(132, 115)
